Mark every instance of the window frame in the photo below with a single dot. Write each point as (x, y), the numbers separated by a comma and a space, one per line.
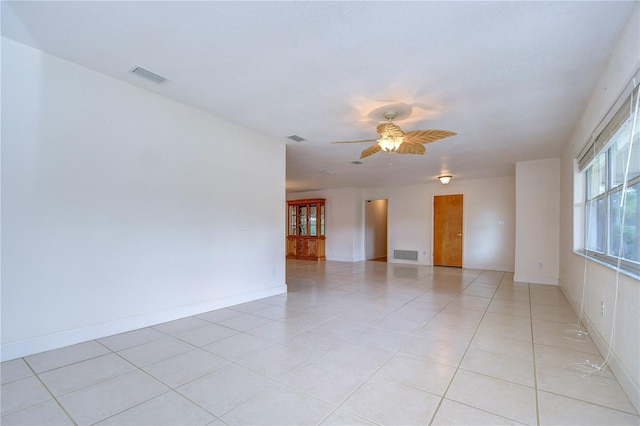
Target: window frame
(606, 255)
(602, 146)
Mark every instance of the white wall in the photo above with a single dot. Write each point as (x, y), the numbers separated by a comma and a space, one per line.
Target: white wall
(537, 221)
(375, 229)
(341, 223)
(489, 220)
(122, 209)
(599, 281)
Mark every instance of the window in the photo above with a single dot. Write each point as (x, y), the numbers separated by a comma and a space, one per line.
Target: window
(611, 221)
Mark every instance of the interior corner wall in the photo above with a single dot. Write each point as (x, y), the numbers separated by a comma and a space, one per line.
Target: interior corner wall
(584, 282)
(537, 221)
(122, 209)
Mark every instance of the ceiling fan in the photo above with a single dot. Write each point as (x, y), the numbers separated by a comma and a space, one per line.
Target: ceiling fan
(393, 139)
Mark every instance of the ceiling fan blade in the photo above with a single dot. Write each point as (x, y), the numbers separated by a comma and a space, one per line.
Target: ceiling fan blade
(370, 151)
(410, 148)
(426, 136)
(389, 129)
(355, 141)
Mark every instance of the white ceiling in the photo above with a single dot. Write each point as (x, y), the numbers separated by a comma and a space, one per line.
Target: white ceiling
(511, 78)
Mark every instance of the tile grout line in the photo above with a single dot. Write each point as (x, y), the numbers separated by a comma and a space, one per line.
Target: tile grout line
(339, 405)
(596, 404)
(53, 397)
(482, 374)
(170, 389)
(231, 362)
(135, 367)
(455, 373)
(533, 352)
(278, 381)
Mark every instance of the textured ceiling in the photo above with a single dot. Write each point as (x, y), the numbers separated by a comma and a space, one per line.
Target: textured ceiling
(511, 78)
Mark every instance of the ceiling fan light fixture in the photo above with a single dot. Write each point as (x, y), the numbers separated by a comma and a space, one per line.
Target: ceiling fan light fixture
(445, 179)
(393, 139)
(389, 144)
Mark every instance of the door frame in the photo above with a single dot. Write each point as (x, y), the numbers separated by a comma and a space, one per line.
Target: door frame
(464, 227)
(364, 226)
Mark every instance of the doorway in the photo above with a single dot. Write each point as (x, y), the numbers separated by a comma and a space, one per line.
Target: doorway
(447, 230)
(375, 230)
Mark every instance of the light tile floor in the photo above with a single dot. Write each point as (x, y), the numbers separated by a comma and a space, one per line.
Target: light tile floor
(350, 343)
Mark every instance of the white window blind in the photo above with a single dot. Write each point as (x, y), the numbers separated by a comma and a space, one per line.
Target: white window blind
(618, 116)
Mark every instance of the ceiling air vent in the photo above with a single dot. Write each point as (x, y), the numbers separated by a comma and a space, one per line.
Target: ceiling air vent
(148, 75)
(296, 138)
(357, 162)
(327, 172)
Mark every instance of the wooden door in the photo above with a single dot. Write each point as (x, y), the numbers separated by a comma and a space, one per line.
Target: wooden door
(447, 230)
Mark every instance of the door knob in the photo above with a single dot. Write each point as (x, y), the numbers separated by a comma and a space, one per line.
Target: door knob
(459, 235)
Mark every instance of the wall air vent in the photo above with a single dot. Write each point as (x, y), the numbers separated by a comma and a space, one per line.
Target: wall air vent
(296, 138)
(356, 162)
(148, 75)
(405, 254)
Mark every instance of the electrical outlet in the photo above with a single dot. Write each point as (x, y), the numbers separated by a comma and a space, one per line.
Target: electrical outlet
(602, 308)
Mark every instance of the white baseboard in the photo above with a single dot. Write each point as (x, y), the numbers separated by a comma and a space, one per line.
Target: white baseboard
(341, 259)
(625, 379)
(499, 268)
(18, 349)
(535, 280)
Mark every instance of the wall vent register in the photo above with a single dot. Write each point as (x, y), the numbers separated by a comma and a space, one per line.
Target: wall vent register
(405, 254)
